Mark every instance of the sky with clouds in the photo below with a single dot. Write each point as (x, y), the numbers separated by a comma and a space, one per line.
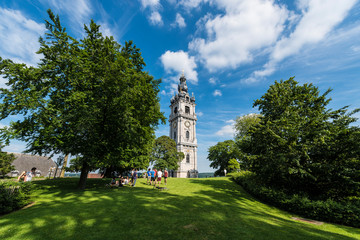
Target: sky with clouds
(231, 51)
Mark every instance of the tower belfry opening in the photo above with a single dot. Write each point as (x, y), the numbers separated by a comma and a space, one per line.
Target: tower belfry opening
(183, 129)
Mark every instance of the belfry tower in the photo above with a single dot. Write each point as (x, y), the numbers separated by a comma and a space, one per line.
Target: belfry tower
(183, 129)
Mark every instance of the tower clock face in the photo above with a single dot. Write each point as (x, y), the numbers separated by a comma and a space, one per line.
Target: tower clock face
(174, 124)
(187, 124)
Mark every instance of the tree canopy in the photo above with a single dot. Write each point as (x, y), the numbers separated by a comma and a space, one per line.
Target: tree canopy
(165, 155)
(300, 145)
(88, 98)
(244, 123)
(6, 163)
(220, 155)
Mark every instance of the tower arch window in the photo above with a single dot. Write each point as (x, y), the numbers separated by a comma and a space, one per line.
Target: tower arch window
(187, 109)
(175, 110)
(175, 136)
(187, 158)
(187, 134)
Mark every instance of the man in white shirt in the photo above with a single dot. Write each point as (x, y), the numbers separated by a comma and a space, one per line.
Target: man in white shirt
(159, 173)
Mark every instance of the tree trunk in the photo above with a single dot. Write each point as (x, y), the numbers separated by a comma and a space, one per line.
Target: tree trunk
(62, 173)
(83, 176)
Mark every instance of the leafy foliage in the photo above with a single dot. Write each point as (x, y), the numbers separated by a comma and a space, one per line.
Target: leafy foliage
(300, 145)
(244, 123)
(165, 155)
(5, 163)
(90, 99)
(220, 155)
(341, 212)
(14, 195)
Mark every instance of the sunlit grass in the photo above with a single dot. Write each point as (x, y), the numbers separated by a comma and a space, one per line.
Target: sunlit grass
(213, 208)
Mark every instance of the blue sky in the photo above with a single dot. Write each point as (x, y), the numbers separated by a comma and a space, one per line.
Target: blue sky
(230, 50)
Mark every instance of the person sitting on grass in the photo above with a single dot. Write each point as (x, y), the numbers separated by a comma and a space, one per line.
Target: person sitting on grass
(126, 181)
(22, 177)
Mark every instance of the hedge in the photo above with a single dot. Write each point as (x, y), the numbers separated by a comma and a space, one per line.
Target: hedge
(14, 195)
(346, 212)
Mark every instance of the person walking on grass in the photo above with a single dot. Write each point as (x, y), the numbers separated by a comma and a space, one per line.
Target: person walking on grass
(134, 177)
(165, 176)
(159, 174)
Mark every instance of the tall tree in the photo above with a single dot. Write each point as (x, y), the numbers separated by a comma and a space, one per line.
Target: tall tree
(165, 155)
(300, 145)
(90, 99)
(220, 155)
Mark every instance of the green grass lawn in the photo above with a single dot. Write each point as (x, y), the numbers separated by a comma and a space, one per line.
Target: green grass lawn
(215, 208)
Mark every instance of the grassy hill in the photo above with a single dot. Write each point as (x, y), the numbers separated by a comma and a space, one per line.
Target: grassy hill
(213, 208)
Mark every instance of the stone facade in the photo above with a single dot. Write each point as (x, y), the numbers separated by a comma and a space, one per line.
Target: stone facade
(183, 129)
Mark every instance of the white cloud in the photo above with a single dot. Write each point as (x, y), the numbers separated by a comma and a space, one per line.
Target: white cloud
(217, 93)
(227, 130)
(179, 21)
(200, 114)
(213, 81)
(176, 62)
(317, 21)
(154, 6)
(150, 3)
(246, 26)
(19, 37)
(156, 19)
(189, 4)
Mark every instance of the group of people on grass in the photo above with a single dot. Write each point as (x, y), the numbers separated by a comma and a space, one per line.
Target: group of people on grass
(27, 176)
(125, 181)
(154, 176)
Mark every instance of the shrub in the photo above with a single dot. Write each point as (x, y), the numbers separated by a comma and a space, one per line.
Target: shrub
(345, 212)
(14, 196)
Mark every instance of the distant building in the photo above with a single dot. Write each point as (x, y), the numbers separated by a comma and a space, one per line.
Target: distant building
(25, 162)
(183, 130)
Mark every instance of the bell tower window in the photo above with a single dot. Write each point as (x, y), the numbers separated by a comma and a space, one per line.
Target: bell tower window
(187, 109)
(187, 158)
(175, 136)
(175, 110)
(187, 135)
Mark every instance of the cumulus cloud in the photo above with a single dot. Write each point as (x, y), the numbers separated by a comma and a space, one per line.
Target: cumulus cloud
(217, 93)
(156, 19)
(19, 37)
(176, 62)
(246, 26)
(228, 130)
(179, 21)
(154, 7)
(317, 21)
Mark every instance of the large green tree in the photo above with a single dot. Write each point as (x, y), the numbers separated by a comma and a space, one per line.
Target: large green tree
(165, 155)
(300, 145)
(88, 98)
(220, 155)
(244, 123)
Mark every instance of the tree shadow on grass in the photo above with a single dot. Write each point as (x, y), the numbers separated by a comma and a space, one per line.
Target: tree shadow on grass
(218, 209)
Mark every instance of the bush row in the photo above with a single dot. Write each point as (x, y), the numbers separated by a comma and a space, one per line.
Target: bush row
(344, 212)
(14, 195)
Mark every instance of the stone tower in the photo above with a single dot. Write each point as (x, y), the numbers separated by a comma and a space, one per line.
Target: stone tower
(183, 129)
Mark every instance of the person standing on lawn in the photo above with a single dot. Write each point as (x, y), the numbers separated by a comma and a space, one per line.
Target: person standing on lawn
(155, 176)
(148, 173)
(165, 176)
(152, 174)
(134, 177)
(159, 174)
